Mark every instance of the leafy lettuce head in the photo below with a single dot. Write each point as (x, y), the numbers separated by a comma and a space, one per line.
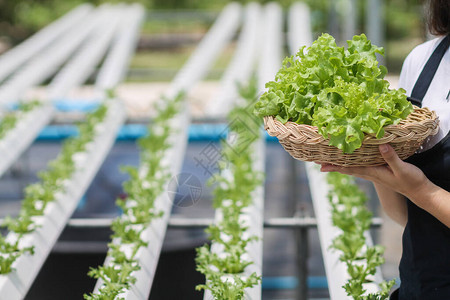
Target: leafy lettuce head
(341, 91)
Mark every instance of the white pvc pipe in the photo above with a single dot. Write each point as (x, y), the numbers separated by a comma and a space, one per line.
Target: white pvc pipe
(15, 57)
(299, 27)
(46, 63)
(16, 284)
(84, 61)
(242, 64)
(208, 50)
(114, 67)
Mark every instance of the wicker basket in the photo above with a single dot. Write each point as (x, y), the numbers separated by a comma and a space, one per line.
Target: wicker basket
(303, 142)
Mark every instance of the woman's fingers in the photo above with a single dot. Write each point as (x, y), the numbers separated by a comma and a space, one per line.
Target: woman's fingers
(389, 155)
(375, 174)
(391, 158)
(327, 168)
(362, 172)
(397, 175)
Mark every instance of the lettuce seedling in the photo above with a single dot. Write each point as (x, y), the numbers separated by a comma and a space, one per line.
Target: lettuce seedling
(232, 193)
(350, 214)
(38, 195)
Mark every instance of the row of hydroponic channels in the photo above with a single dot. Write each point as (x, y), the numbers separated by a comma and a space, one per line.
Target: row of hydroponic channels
(233, 263)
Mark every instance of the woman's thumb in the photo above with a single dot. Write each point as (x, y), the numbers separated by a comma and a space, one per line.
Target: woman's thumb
(390, 156)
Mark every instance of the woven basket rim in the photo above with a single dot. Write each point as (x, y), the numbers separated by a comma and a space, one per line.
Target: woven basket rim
(304, 142)
(404, 124)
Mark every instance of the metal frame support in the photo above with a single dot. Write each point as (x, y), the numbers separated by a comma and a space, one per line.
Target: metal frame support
(302, 245)
(187, 223)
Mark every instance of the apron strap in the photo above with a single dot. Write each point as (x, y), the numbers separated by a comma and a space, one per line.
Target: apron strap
(430, 68)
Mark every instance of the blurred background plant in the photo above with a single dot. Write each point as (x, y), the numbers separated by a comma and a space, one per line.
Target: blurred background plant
(403, 27)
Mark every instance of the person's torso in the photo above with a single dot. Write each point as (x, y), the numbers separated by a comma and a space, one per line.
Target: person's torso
(425, 263)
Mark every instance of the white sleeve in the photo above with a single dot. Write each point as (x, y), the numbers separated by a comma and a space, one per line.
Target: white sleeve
(405, 80)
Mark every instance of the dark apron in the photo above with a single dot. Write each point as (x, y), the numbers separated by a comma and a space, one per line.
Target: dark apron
(425, 263)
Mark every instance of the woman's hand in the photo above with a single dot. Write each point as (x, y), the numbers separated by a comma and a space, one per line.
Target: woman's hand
(405, 179)
(397, 175)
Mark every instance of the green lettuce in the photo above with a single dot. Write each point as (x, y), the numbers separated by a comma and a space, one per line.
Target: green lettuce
(341, 91)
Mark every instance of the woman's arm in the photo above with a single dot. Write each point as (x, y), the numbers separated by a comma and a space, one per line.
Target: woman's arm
(405, 179)
(393, 203)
